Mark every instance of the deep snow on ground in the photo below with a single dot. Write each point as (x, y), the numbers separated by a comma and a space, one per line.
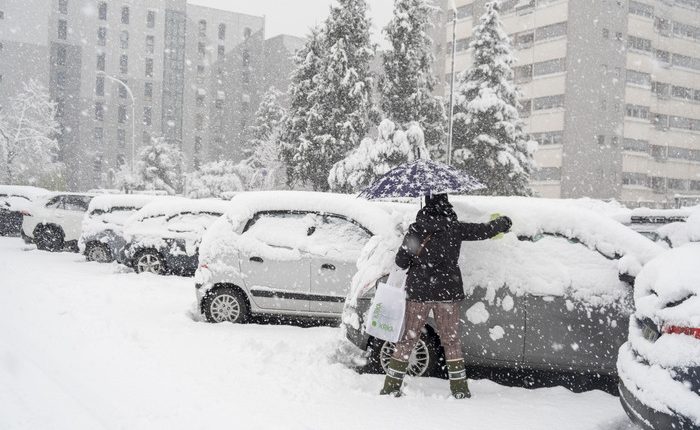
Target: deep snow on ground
(91, 346)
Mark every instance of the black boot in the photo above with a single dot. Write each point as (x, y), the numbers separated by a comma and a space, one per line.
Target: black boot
(394, 378)
(458, 379)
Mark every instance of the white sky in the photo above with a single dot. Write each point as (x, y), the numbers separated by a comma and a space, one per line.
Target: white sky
(296, 16)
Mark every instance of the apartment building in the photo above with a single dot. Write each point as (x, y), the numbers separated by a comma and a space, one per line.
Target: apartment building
(611, 91)
(124, 71)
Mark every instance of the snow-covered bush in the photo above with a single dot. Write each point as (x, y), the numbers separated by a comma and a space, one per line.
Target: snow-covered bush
(159, 166)
(489, 140)
(375, 157)
(28, 131)
(215, 179)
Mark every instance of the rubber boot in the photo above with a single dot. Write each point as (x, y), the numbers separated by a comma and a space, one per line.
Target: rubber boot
(458, 379)
(394, 378)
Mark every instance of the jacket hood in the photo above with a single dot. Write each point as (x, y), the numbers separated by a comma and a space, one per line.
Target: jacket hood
(437, 215)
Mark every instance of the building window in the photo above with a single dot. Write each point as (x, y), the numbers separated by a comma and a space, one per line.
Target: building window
(524, 40)
(635, 145)
(639, 179)
(123, 93)
(548, 138)
(247, 32)
(62, 29)
(101, 62)
(147, 116)
(463, 11)
(63, 7)
(639, 43)
(151, 19)
(200, 70)
(99, 111)
(121, 138)
(61, 79)
(549, 67)
(549, 102)
(606, 33)
(199, 122)
(663, 56)
(641, 9)
(547, 174)
(124, 39)
(636, 111)
(149, 67)
(148, 90)
(222, 31)
(102, 36)
(661, 89)
(121, 114)
(523, 73)
(2, 14)
(124, 64)
(202, 28)
(201, 48)
(99, 136)
(102, 11)
(121, 160)
(61, 55)
(199, 100)
(125, 15)
(550, 31)
(146, 137)
(682, 92)
(600, 139)
(638, 78)
(221, 52)
(100, 86)
(150, 43)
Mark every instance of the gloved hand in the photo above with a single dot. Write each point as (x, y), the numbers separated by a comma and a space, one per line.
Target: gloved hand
(502, 224)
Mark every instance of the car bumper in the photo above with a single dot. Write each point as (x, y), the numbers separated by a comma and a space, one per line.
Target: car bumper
(648, 418)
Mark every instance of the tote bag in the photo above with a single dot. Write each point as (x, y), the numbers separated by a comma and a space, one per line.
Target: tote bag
(386, 314)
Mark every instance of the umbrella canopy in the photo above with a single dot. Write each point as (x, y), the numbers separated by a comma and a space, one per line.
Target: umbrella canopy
(420, 178)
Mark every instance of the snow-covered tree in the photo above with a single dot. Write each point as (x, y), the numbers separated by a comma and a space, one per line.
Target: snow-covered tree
(373, 158)
(126, 181)
(28, 132)
(269, 118)
(406, 88)
(160, 165)
(489, 141)
(342, 98)
(302, 98)
(214, 179)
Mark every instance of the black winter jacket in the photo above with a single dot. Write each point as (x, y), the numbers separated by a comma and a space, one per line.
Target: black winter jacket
(430, 252)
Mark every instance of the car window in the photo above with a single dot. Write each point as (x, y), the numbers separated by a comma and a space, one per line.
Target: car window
(337, 235)
(192, 221)
(55, 203)
(75, 203)
(282, 229)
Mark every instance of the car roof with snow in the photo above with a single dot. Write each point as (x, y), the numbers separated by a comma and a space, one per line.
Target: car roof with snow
(169, 205)
(107, 202)
(22, 191)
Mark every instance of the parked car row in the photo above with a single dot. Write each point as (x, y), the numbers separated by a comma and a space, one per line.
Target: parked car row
(554, 294)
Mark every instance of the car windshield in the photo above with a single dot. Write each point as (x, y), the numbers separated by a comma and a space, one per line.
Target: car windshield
(191, 221)
(115, 215)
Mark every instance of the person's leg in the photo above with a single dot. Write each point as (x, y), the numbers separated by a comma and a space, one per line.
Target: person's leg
(415, 318)
(447, 318)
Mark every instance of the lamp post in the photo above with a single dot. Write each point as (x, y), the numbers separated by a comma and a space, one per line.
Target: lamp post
(452, 82)
(133, 114)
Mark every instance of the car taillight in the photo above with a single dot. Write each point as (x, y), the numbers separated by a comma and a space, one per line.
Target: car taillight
(203, 266)
(689, 331)
(25, 213)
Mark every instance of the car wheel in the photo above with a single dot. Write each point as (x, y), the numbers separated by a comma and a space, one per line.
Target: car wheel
(98, 252)
(48, 238)
(225, 304)
(149, 261)
(424, 359)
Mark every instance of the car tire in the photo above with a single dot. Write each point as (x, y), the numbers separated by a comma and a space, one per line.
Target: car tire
(99, 252)
(425, 358)
(225, 304)
(48, 238)
(149, 261)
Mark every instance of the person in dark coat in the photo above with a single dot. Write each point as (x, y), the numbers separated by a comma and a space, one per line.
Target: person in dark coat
(430, 252)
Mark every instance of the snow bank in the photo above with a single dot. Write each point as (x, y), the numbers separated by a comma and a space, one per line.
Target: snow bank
(667, 292)
(679, 233)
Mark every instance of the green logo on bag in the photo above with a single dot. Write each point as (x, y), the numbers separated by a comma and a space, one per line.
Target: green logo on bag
(374, 323)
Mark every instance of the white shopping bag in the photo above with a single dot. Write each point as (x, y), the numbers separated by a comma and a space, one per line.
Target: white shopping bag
(385, 318)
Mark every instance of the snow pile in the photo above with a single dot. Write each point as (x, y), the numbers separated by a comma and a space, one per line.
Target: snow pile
(667, 293)
(537, 257)
(612, 208)
(172, 218)
(110, 213)
(224, 238)
(679, 233)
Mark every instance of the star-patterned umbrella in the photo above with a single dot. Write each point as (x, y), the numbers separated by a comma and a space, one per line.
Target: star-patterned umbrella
(421, 178)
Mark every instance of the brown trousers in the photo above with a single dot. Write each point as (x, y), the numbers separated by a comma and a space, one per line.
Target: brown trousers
(447, 319)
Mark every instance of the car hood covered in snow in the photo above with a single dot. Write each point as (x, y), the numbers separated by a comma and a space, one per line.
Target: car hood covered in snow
(110, 213)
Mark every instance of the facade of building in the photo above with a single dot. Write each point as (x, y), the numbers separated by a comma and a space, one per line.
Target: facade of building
(279, 52)
(124, 71)
(611, 91)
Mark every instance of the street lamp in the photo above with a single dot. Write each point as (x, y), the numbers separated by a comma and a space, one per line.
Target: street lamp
(452, 82)
(133, 114)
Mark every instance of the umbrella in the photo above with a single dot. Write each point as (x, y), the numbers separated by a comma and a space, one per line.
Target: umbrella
(420, 178)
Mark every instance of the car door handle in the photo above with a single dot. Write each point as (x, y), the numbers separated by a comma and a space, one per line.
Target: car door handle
(327, 266)
(256, 259)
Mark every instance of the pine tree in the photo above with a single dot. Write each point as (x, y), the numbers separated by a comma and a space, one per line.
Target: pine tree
(338, 116)
(268, 118)
(373, 158)
(160, 165)
(214, 179)
(488, 137)
(407, 84)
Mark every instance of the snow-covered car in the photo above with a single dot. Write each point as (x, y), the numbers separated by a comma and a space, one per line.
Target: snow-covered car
(54, 222)
(681, 232)
(163, 237)
(15, 200)
(659, 367)
(554, 294)
(102, 237)
(286, 253)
